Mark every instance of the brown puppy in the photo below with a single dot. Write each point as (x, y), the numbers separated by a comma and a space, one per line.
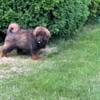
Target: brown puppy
(26, 40)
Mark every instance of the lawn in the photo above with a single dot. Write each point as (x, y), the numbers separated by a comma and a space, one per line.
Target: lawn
(70, 73)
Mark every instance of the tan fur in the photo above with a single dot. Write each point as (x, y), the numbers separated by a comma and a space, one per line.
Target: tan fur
(13, 26)
(42, 30)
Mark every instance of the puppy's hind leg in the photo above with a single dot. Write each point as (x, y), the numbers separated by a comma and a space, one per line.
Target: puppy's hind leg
(7, 47)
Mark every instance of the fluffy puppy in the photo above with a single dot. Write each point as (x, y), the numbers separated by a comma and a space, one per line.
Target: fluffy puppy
(41, 36)
(30, 41)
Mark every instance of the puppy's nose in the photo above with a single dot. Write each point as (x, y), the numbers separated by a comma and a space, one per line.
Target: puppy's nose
(39, 42)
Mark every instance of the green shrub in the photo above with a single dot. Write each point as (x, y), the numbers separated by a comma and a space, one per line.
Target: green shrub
(94, 8)
(62, 17)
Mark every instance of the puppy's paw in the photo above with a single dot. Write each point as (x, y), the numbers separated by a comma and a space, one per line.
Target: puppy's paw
(35, 57)
(3, 54)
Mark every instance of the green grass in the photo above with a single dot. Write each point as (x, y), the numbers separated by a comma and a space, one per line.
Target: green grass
(72, 73)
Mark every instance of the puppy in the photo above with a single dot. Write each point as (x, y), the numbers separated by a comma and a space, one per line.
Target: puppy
(30, 41)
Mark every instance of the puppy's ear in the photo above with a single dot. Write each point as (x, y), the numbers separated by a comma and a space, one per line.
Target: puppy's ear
(40, 30)
(36, 31)
(48, 34)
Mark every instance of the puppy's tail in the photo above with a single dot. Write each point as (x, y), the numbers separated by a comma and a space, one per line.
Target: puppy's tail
(13, 27)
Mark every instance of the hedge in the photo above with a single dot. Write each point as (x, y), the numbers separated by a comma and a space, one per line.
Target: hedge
(62, 17)
(94, 9)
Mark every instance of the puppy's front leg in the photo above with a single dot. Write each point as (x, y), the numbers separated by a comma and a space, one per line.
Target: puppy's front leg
(35, 56)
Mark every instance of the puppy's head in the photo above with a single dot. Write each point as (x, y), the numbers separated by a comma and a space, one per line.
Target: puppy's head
(41, 34)
(13, 27)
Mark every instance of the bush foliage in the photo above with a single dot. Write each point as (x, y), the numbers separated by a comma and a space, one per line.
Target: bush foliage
(62, 17)
(94, 8)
